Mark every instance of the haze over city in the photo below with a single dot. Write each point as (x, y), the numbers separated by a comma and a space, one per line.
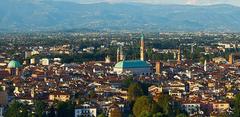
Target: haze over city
(188, 2)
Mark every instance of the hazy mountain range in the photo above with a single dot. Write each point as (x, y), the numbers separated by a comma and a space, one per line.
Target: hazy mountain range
(35, 15)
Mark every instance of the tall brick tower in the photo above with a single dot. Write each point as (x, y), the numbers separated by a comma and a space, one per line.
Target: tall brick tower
(230, 59)
(179, 56)
(142, 49)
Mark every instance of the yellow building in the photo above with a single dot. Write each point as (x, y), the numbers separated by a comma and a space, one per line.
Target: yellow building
(219, 60)
(221, 106)
(59, 96)
(211, 84)
(230, 95)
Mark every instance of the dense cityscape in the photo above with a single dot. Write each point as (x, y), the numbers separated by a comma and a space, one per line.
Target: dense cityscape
(103, 74)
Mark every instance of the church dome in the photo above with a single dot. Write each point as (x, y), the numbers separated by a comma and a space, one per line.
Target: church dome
(14, 64)
(133, 64)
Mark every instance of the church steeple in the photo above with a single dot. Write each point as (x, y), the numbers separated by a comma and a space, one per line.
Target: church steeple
(122, 57)
(205, 65)
(118, 55)
(142, 49)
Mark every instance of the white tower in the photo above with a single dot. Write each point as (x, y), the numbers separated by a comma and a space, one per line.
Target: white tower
(205, 65)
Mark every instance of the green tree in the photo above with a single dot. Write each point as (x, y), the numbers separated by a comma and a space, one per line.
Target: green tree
(163, 103)
(1, 89)
(236, 106)
(101, 115)
(145, 114)
(159, 114)
(181, 115)
(142, 104)
(17, 109)
(65, 109)
(155, 108)
(130, 115)
(134, 91)
(51, 112)
(40, 107)
(127, 82)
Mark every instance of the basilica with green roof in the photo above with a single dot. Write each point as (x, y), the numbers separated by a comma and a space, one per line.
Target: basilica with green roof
(136, 67)
(13, 67)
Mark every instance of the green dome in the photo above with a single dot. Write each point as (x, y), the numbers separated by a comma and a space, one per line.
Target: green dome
(14, 64)
(133, 64)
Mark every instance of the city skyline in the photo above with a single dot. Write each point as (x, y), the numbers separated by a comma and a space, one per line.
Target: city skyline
(120, 58)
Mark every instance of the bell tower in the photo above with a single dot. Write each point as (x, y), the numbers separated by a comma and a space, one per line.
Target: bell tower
(121, 56)
(118, 55)
(179, 56)
(142, 49)
(230, 59)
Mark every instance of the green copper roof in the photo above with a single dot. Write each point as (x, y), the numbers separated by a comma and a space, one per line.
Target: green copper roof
(14, 64)
(132, 64)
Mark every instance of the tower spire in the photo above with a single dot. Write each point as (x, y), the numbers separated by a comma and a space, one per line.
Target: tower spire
(205, 65)
(179, 56)
(142, 56)
(118, 55)
(230, 59)
(122, 57)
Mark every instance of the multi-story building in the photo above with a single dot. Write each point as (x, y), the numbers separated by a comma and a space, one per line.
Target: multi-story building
(85, 110)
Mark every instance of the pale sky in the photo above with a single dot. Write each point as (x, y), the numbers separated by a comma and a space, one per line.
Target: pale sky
(191, 2)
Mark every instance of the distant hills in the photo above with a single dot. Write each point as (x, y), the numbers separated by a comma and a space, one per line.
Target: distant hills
(36, 15)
